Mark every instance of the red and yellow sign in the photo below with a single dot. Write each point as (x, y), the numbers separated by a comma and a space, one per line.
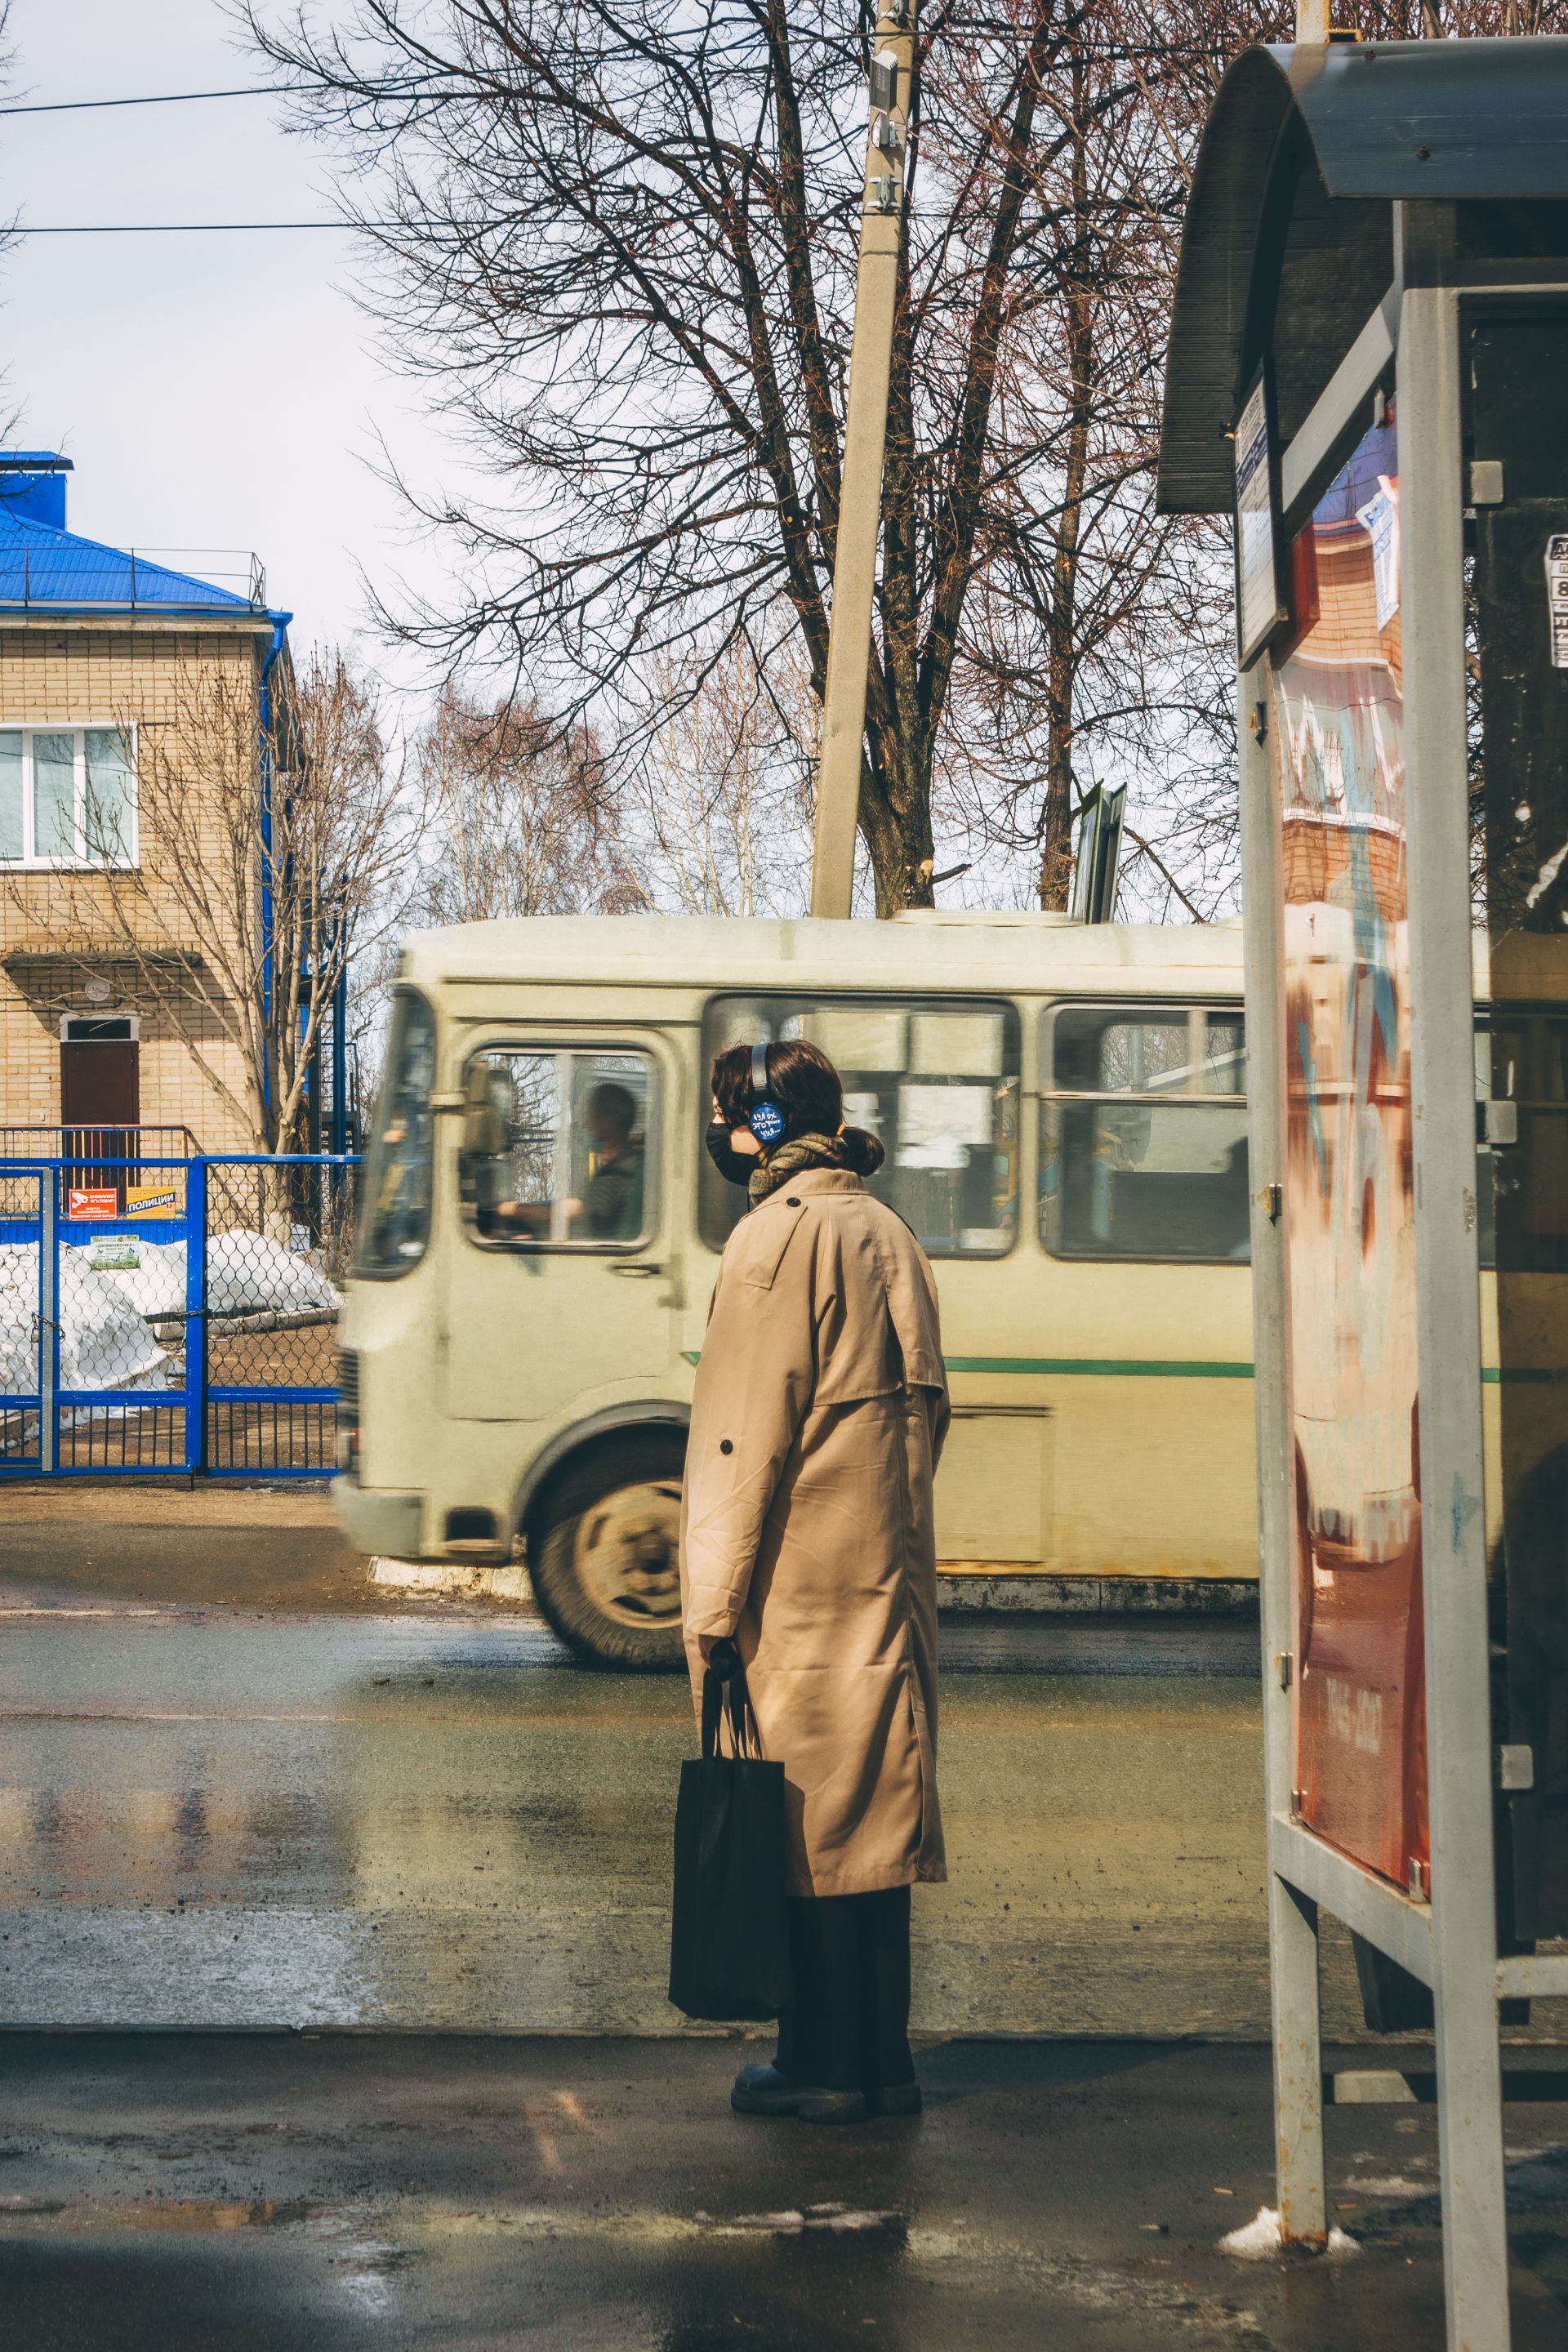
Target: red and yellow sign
(96, 1200)
(152, 1200)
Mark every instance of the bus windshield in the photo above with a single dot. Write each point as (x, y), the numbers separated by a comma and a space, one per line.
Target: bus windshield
(394, 1220)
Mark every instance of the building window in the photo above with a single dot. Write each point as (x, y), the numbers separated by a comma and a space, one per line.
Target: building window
(1143, 1132)
(68, 796)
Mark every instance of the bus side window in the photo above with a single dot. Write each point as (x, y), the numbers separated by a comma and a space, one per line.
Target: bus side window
(555, 1147)
(936, 1080)
(1144, 1133)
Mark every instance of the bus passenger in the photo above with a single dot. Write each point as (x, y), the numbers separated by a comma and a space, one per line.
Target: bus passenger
(611, 1206)
(807, 1539)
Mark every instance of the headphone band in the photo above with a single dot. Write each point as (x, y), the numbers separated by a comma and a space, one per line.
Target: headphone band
(767, 1121)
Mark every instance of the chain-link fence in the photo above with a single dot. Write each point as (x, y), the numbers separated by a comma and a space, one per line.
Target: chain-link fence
(172, 1316)
(21, 1317)
(278, 1243)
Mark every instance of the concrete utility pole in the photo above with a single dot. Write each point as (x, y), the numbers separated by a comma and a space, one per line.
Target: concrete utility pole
(864, 436)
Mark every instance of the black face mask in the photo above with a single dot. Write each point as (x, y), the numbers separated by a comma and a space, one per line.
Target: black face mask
(735, 1167)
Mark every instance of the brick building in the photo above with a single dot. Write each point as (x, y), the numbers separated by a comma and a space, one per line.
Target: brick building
(95, 642)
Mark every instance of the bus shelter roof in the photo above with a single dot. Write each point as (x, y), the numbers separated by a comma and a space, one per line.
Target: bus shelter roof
(1368, 123)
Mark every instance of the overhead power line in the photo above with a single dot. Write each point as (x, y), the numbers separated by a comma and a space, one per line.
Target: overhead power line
(184, 229)
(159, 98)
(1110, 51)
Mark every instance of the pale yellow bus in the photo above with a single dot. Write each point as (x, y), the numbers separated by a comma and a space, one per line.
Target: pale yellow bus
(1064, 1117)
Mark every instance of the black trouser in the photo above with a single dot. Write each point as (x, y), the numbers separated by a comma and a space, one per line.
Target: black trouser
(849, 2028)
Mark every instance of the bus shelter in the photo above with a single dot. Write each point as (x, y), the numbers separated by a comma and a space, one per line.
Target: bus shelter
(1367, 371)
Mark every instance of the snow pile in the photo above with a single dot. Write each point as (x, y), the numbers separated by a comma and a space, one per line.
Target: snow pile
(1260, 2237)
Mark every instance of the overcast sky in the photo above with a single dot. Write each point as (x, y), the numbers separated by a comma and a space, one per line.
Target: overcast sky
(215, 392)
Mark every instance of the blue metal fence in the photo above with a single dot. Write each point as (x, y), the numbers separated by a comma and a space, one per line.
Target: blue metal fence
(171, 1315)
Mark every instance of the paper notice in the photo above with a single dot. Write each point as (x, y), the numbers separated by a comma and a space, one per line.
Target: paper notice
(1557, 597)
(940, 1126)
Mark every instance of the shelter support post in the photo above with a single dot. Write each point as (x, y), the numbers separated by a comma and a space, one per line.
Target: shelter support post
(1292, 1916)
(1463, 1932)
(49, 1318)
(865, 441)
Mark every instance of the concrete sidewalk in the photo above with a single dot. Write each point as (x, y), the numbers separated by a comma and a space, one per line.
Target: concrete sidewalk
(262, 2193)
(216, 1546)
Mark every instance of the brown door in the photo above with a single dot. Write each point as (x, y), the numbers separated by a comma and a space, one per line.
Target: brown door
(100, 1105)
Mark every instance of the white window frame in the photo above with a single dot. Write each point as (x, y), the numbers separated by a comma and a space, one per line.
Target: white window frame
(80, 862)
(100, 1012)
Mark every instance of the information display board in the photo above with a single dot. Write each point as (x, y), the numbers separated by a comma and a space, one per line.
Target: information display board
(1338, 764)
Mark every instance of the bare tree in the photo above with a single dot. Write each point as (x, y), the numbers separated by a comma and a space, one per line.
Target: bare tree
(724, 800)
(267, 857)
(1096, 638)
(518, 822)
(622, 260)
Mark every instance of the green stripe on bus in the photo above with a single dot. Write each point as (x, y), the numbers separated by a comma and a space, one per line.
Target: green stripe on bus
(1112, 1367)
(1173, 1369)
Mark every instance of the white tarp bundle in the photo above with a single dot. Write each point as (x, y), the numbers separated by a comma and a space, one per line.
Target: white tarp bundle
(107, 1309)
(104, 1342)
(248, 1273)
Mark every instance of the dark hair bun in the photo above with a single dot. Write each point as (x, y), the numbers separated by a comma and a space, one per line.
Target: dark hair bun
(863, 1149)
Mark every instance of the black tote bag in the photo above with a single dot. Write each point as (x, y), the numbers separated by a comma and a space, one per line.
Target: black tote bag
(729, 1946)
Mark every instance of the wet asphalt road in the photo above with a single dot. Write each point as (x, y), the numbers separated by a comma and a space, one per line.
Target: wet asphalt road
(434, 1820)
(322, 1826)
(335, 2194)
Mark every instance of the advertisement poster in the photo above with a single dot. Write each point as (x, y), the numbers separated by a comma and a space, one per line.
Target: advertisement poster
(1339, 766)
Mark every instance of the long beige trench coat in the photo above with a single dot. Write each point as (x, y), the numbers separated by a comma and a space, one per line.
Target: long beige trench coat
(820, 1410)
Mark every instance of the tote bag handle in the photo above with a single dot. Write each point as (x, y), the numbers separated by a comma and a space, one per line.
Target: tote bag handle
(724, 1689)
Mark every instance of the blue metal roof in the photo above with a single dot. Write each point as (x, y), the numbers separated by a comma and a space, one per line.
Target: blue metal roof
(41, 566)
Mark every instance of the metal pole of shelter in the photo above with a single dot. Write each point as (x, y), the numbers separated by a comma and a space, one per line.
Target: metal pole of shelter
(1448, 1331)
(865, 439)
(1295, 2005)
(49, 1318)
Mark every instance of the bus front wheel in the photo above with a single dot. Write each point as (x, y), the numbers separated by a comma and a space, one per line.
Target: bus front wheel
(603, 1553)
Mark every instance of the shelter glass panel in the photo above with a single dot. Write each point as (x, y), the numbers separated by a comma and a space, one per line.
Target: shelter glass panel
(1513, 364)
(1337, 740)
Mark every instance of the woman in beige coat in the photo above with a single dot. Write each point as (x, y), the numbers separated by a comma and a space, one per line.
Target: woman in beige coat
(819, 1413)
